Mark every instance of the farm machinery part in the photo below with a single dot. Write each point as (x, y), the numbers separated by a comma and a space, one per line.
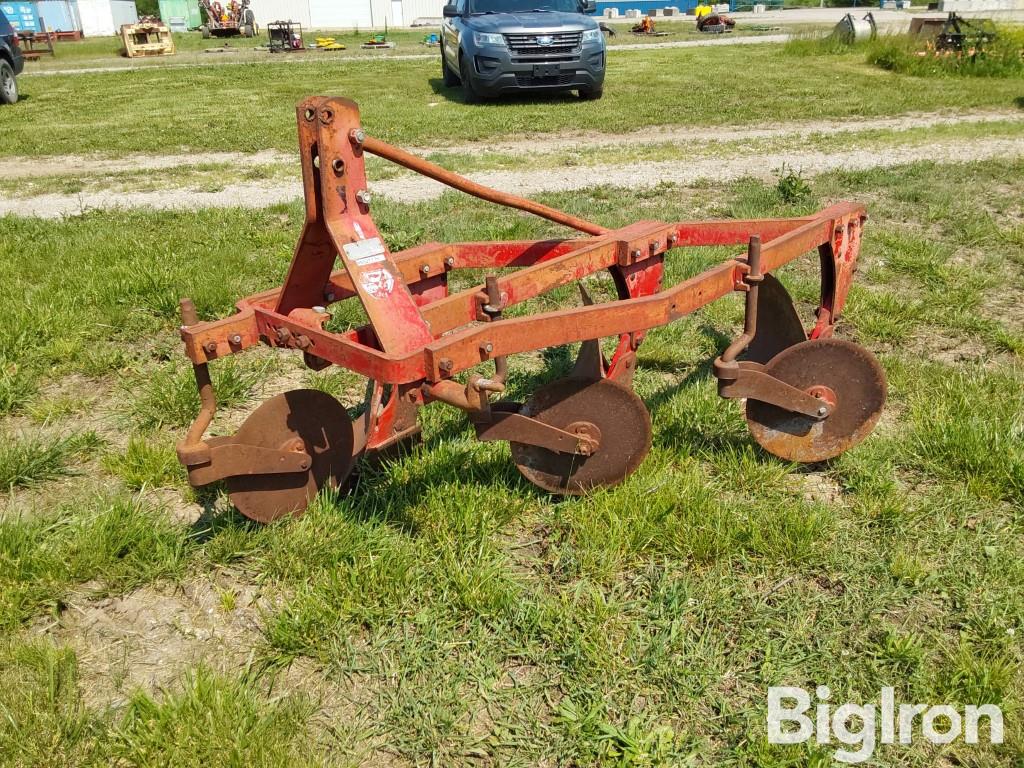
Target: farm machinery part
(148, 37)
(228, 20)
(808, 396)
(284, 36)
(960, 35)
(852, 30)
(713, 22)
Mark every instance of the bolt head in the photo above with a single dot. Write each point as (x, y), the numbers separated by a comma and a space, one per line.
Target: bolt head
(635, 253)
(425, 269)
(363, 196)
(236, 339)
(358, 135)
(319, 310)
(822, 410)
(329, 297)
(449, 262)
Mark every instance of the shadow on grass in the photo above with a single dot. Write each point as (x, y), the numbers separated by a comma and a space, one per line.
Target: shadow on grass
(455, 93)
(387, 488)
(215, 519)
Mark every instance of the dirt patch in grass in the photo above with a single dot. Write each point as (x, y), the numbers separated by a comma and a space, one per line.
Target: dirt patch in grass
(411, 189)
(528, 145)
(148, 637)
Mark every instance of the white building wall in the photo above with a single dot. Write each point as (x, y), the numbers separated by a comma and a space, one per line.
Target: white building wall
(101, 18)
(123, 12)
(407, 10)
(96, 17)
(981, 6)
(420, 9)
(267, 11)
(340, 13)
(363, 14)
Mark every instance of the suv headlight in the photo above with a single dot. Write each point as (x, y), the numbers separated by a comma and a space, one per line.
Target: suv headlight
(481, 39)
(592, 36)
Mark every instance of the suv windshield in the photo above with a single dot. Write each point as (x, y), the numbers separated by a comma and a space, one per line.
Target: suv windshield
(523, 6)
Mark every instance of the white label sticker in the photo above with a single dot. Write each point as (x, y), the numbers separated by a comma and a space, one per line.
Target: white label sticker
(378, 283)
(365, 252)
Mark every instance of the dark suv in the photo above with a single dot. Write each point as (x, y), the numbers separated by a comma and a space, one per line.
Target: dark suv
(11, 61)
(500, 46)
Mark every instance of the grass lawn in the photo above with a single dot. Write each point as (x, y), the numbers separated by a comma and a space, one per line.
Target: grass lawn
(192, 48)
(447, 613)
(247, 107)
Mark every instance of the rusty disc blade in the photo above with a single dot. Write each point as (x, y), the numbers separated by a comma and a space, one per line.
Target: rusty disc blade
(303, 419)
(854, 376)
(621, 419)
(778, 323)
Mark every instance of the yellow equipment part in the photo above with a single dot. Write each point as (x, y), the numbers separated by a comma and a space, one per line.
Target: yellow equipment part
(329, 44)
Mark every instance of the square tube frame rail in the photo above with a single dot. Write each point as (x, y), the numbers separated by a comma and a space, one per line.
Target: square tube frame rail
(420, 336)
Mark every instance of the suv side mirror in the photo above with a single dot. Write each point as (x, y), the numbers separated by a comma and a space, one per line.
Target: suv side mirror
(588, 6)
(449, 11)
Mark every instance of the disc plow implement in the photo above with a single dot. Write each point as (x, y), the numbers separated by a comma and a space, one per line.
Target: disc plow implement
(808, 396)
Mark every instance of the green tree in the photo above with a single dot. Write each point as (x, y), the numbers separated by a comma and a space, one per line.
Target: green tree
(147, 7)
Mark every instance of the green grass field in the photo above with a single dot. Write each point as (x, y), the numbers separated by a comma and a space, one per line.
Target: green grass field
(247, 107)
(446, 612)
(191, 48)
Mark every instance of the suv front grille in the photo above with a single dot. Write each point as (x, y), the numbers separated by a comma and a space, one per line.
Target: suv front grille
(527, 81)
(527, 45)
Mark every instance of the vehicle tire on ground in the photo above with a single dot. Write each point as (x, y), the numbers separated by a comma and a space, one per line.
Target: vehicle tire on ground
(469, 94)
(591, 94)
(8, 85)
(248, 31)
(205, 32)
(449, 78)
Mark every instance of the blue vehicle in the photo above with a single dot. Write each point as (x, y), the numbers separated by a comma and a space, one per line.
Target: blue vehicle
(492, 47)
(11, 62)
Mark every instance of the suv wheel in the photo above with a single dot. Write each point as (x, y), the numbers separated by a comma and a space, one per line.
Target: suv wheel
(591, 94)
(8, 85)
(469, 93)
(449, 78)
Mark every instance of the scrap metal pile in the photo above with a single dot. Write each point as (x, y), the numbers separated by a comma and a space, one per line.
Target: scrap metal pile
(808, 397)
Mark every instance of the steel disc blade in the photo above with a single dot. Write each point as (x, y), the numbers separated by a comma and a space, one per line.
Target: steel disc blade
(619, 415)
(778, 323)
(851, 372)
(322, 425)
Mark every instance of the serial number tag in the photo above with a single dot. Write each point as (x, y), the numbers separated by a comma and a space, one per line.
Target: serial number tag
(364, 252)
